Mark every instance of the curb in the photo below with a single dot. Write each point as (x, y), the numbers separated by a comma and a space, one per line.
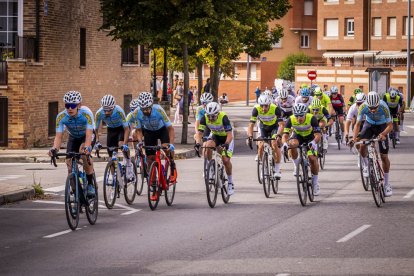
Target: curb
(17, 196)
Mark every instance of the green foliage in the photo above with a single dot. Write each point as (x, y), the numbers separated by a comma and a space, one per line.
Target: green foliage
(37, 186)
(287, 67)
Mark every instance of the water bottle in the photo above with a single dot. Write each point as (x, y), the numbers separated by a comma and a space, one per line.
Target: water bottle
(114, 155)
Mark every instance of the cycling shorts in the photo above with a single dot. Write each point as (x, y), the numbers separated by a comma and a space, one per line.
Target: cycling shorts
(220, 140)
(265, 131)
(73, 144)
(151, 138)
(114, 135)
(301, 139)
(339, 111)
(370, 131)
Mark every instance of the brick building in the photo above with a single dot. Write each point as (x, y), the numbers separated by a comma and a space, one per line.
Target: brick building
(52, 47)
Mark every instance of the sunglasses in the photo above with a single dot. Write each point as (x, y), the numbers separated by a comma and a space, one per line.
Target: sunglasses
(300, 116)
(70, 105)
(315, 110)
(212, 117)
(108, 110)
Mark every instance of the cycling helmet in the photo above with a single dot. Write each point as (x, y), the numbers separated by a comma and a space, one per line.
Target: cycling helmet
(108, 102)
(267, 92)
(284, 94)
(213, 108)
(360, 98)
(145, 100)
(304, 92)
(304, 85)
(264, 100)
(300, 109)
(393, 93)
(72, 97)
(373, 99)
(357, 91)
(289, 87)
(133, 104)
(318, 91)
(206, 98)
(334, 89)
(316, 103)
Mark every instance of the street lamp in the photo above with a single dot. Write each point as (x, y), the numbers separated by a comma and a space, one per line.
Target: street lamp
(409, 55)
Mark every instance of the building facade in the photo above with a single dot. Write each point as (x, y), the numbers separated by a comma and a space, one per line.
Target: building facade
(49, 48)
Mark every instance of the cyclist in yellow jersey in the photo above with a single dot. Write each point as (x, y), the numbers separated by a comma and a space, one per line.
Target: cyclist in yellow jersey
(323, 117)
(221, 135)
(325, 100)
(305, 129)
(271, 126)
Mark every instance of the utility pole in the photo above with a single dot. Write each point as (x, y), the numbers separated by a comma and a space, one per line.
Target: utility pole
(409, 55)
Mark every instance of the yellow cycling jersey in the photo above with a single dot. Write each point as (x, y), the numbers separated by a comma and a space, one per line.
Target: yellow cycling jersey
(269, 118)
(219, 127)
(309, 126)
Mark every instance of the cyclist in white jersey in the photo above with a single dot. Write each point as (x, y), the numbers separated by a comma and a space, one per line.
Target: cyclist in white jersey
(285, 102)
(353, 114)
(305, 97)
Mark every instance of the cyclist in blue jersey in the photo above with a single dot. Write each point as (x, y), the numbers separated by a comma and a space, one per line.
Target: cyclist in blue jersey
(378, 122)
(153, 124)
(78, 121)
(117, 129)
(131, 119)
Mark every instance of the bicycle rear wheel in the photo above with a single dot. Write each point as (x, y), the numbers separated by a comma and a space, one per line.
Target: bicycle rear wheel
(91, 209)
(110, 190)
(365, 180)
(375, 184)
(169, 193)
(321, 154)
(140, 168)
(211, 183)
(130, 187)
(72, 204)
(301, 181)
(338, 133)
(224, 185)
(154, 188)
(266, 174)
(275, 181)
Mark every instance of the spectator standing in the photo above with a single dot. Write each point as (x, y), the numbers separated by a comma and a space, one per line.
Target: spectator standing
(257, 92)
(207, 86)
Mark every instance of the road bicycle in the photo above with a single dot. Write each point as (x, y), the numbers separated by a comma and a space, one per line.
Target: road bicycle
(376, 173)
(76, 194)
(286, 155)
(364, 180)
(268, 164)
(158, 178)
(111, 186)
(304, 175)
(140, 162)
(392, 134)
(322, 152)
(216, 177)
(338, 131)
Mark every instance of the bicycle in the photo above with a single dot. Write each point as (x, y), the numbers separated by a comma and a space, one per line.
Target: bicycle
(140, 163)
(268, 164)
(286, 155)
(392, 134)
(216, 177)
(364, 180)
(321, 153)
(338, 131)
(376, 174)
(158, 180)
(76, 191)
(111, 186)
(303, 178)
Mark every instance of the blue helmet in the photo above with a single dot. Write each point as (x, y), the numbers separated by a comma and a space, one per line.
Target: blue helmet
(304, 92)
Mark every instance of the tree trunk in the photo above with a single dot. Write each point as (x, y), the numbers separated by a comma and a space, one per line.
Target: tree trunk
(215, 78)
(186, 89)
(170, 81)
(200, 79)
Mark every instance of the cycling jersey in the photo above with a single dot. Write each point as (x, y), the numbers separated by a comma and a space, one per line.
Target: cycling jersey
(200, 112)
(337, 102)
(351, 100)
(131, 119)
(220, 127)
(325, 100)
(323, 113)
(393, 104)
(300, 100)
(353, 112)
(308, 127)
(381, 116)
(156, 120)
(116, 119)
(270, 118)
(76, 125)
(286, 106)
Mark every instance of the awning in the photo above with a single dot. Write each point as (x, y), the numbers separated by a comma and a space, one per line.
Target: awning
(338, 55)
(366, 53)
(393, 55)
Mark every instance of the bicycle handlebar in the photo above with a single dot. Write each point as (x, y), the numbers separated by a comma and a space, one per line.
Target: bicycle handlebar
(70, 155)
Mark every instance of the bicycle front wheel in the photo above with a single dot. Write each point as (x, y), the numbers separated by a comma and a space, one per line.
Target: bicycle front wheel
(211, 183)
(321, 154)
(375, 183)
(130, 186)
(110, 183)
(92, 206)
(154, 188)
(72, 204)
(140, 168)
(301, 181)
(224, 185)
(266, 174)
(259, 170)
(365, 180)
(169, 193)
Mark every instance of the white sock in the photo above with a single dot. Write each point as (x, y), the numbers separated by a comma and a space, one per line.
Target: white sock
(277, 167)
(397, 135)
(230, 178)
(386, 177)
(315, 178)
(365, 161)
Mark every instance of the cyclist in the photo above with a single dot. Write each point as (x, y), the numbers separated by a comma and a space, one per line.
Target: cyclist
(338, 105)
(78, 120)
(305, 97)
(271, 125)
(378, 123)
(305, 130)
(395, 104)
(153, 124)
(205, 99)
(117, 130)
(352, 98)
(325, 100)
(291, 90)
(130, 117)
(352, 115)
(402, 110)
(323, 116)
(221, 134)
(285, 102)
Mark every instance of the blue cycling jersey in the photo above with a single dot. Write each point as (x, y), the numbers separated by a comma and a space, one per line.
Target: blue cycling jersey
(156, 120)
(76, 125)
(380, 117)
(116, 119)
(200, 112)
(131, 119)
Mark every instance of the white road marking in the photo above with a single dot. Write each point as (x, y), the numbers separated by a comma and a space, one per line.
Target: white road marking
(59, 233)
(50, 202)
(409, 126)
(354, 233)
(130, 210)
(61, 188)
(282, 274)
(11, 176)
(409, 194)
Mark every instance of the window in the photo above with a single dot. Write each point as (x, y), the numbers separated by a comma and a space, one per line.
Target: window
(331, 27)
(53, 112)
(144, 54)
(405, 31)
(127, 101)
(8, 25)
(376, 26)
(349, 27)
(342, 89)
(392, 26)
(304, 40)
(82, 44)
(332, 1)
(308, 7)
(129, 55)
(253, 73)
(277, 44)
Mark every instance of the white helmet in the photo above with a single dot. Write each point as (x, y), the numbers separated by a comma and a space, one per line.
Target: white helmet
(300, 109)
(264, 100)
(360, 98)
(108, 102)
(267, 92)
(212, 108)
(284, 94)
(145, 100)
(393, 93)
(72, 97)
(206, 98)
(373, 99)
(133, 104)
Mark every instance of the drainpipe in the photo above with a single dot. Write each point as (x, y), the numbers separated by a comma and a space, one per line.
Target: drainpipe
(409, 55)
(37, 39)
(369, 25)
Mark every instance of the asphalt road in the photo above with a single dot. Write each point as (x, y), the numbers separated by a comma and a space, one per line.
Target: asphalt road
(342, 233)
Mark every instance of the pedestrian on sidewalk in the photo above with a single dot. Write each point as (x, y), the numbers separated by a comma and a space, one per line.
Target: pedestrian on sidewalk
(179, 95)
(257, 92)
(207, 86)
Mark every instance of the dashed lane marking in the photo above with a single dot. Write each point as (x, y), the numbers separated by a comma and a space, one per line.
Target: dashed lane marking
(409, 194)
(354, 233)
(8, 177)
(61, 188)
(60, 233)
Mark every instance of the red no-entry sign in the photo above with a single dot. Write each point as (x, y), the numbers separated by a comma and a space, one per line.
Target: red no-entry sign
(312, 75)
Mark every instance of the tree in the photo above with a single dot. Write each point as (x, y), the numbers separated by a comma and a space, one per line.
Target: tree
(287, 67)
